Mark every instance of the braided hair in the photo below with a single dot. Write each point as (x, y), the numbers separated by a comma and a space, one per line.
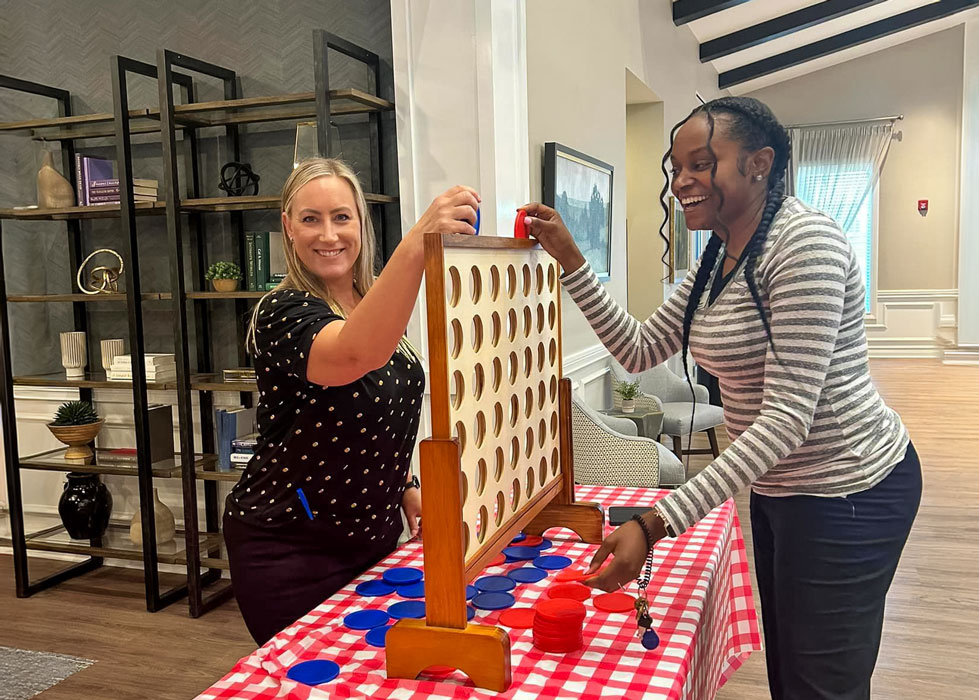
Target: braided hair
(753, 125)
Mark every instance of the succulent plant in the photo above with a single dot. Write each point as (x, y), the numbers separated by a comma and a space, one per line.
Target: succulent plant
(223, 270)
(75, 413)
(628, 390)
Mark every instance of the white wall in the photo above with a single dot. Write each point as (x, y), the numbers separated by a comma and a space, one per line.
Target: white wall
(969, 236)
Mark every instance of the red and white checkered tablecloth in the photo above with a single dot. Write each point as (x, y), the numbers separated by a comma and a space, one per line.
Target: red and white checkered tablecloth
(700, 602)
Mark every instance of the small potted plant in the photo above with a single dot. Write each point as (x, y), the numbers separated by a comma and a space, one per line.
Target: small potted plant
(628, 392)
(224, 276)
(76, 424)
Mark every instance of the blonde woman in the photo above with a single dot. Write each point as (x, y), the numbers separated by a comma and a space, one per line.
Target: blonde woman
(340, 395)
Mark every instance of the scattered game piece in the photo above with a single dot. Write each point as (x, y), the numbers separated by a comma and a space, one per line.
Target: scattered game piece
(573, 591)
(470, 592)
(373, 588)
(402, 576)
(519, 227)
(546, 544)
(412, 590)
(615, 602)
(521, 553)
(495, 584)
(407, 608)
(519, 538)
(532, 540)
(314, 672)
(499, 559)
(477, 221)
(493, 601)
(470, 612)
(527, 574)
(552, 561)
(437, 671)
(376, 636)
(518, 618)
(650, 640)
(366, 619)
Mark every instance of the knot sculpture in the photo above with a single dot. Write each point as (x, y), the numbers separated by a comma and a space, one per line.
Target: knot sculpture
(101, 279)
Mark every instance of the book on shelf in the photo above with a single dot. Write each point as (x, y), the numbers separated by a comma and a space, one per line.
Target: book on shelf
(137, 182)
(160, 420)
(114, 190)
(89, 170)
(245, 443)
(158, 367)
(230, 424)
(264, 260)
(238, 374)
(240, 458)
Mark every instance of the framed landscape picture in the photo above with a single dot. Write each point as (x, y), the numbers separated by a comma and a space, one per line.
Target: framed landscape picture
(679, 241)
(579, 187)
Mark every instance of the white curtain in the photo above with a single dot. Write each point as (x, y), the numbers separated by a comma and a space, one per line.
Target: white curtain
(835, 168)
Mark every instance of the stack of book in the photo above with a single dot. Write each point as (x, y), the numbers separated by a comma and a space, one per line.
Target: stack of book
(243, 449)
(160, 367)
(234, 424)
(265, 260)
(239, 374)
(96, 184)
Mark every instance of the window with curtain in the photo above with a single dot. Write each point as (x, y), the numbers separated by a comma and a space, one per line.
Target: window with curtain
(846, 184)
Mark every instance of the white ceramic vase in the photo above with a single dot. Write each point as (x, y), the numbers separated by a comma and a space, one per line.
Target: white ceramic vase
(74, 354)
(628, 405)
(110, 348)
(163, 519)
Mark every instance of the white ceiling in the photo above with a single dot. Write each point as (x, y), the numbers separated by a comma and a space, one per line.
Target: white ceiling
(756, 11)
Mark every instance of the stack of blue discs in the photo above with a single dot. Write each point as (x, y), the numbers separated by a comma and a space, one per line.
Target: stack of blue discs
(366, 619)
(495, 584)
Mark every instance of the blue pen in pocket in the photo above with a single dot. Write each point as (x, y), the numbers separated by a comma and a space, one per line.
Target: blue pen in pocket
(302, 499)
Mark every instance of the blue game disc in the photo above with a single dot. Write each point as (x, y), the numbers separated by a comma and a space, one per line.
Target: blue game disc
(470, 612)
(366, 619)
(511, 560)
(650, 640)
(521, 553)
(376, 636)
(412, 590)
(545, 544)
(495, 584)
(377, 587)
(470, 592)
(552, 561)
(403, 576)
(527, 574)
(519, 538)
(493, 601)
(313, 672)
(407, 608)
(477, 221)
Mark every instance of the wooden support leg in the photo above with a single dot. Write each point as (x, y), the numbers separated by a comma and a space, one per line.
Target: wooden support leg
(480, 651)
(712, 436)
(587, 520)
(678, 446)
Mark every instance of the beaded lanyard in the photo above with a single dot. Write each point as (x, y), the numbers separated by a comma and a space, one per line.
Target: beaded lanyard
(644, 622)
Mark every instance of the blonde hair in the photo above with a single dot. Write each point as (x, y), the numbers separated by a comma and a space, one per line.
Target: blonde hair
(298, 276)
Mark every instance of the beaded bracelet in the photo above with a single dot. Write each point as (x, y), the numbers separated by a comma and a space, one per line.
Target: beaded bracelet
(645, 530)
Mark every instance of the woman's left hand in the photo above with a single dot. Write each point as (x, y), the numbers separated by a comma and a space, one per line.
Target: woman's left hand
(628, 546)
(411, 503)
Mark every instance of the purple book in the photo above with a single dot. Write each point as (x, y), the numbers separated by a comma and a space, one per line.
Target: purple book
(93, 169)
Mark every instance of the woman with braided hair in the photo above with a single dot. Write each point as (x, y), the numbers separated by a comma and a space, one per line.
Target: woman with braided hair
(774, 309)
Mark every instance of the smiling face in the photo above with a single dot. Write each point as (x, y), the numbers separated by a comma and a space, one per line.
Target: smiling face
(326, 230)
(736, 174)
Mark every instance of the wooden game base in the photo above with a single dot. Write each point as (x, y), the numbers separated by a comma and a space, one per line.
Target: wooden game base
(587, 520)
(480, 651)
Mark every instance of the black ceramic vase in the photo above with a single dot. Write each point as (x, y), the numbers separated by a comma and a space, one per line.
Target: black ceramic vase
(85, 506)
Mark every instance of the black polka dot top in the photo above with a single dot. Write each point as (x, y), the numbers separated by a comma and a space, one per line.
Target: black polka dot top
(348, 447)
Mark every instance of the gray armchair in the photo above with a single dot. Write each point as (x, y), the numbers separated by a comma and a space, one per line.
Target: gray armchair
(608, 451)
(664, 391)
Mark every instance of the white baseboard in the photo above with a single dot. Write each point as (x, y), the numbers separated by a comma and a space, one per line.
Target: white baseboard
(962, 355)
(912, 323)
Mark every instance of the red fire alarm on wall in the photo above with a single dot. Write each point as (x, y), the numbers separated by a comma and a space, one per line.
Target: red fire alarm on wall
(922, 206)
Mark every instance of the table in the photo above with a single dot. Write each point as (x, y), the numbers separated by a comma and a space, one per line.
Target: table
(649, 424)
(700, 601)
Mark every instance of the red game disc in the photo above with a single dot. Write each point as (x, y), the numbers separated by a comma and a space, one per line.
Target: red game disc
(561, 610)
(532, 541)
(564, 646)
(574, 591)
(615, 602)
(498, 560)
(438, 670)
(569, 575)
(518, 618)
(519, 228)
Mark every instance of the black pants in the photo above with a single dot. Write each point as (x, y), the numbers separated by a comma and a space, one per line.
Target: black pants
(824, 566)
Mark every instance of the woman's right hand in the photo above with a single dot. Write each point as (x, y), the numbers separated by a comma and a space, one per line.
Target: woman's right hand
(453, 211)
(546, 225)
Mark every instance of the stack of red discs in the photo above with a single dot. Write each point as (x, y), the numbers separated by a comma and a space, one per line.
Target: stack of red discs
(558, 625)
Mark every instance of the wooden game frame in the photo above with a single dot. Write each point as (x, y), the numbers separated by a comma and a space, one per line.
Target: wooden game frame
(444, 637)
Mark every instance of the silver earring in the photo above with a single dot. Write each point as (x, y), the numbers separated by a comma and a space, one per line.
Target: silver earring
(758, 178)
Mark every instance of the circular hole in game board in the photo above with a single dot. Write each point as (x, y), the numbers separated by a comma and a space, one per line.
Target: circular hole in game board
(528, 402)
(541, 432)
(497, 419)
(458, 389)
(496, 328)
(499, 463)
(554, 425)
(527, 282)
(531, 484)
(499, 509)
(514, 412)
(540, 318)
(511, 281)
(479, 429)
(514, 452)
(551, 315)
(553, 389)
(476, 333)
(528, 321)
(541, 396)
(481, 519)
(497, 377)
(541, 353)
(461, 434)
(551, 277)
(540, 278)
(465, 537)
(515, 495)
(454, 288)
(455, 338)
(480, 476)
(555, 462)
(479, 381)
(512, 367)
(552, 351)
(529, 444)
(511, 325)
(465, 486)
(542, 474)
(494, 289)
(475, 284)
(528, 362)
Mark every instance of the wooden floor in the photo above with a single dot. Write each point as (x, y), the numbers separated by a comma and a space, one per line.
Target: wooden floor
(930, 649)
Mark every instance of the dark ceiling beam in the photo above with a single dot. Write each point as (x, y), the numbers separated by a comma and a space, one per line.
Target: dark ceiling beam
(846, 40)
(688, 10)
(780, 26)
